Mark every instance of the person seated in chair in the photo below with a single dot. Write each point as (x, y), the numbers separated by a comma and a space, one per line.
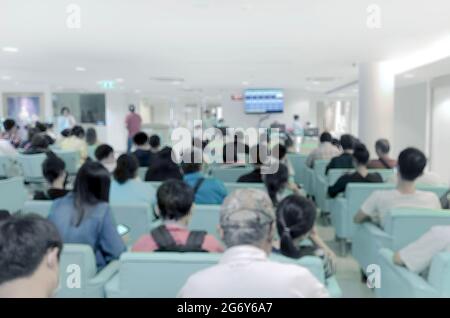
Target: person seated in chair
(39, 144)
(105, 155)
(345, 160)
(54, 171)
(382, 148)
(30, 250)
(325, 151)
(142, 152)
(418, 255)
(174, 206)
(206, 190)
(257, 155)
(361, 157)
(411, 163)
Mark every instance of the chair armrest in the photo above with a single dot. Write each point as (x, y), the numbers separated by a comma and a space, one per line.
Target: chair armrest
(321, 192)
(397, 281)
(333, 287)
(338, 211)
(105, 275)
(377, 233)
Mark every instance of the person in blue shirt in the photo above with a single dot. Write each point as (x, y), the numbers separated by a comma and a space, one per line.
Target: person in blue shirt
(84, 216)
(126, 187)
(207, 190)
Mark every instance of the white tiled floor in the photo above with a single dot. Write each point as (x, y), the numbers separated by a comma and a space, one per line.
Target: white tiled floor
(348, 273)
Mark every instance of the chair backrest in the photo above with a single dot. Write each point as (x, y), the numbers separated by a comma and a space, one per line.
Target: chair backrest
(76, 267)
(155, 184)
(32, 166)
(163, 274)
(206, 218)
(159, 274)
(320, 166)
(439, 274)
(142, 171)
(232, 186)
(134, 216)
(91, 151)
(230, 174)
(357, 193)
(71, 158)
(38, 207)
(12, 194)
(406, 225)
(298, 163)
(5, 163)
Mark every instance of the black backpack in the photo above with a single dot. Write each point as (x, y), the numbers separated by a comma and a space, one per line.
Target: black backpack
(166, 243)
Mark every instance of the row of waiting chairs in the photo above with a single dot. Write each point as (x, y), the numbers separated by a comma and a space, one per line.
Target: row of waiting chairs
(156, 274)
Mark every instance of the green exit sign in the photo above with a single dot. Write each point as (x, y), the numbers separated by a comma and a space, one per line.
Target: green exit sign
(107, 84)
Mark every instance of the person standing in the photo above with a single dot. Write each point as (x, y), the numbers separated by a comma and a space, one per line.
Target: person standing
(133, 123)
(66, 120)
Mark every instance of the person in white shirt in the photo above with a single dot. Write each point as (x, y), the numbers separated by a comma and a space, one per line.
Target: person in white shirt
(247, 221)
(297, 127)
(411, 163)
(418, 255)
(66, 120)
(326, 150)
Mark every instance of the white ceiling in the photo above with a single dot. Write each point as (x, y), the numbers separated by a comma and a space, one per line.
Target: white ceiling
(213, 45)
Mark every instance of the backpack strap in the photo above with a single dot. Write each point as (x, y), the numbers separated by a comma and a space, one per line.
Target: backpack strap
(198, 184)
(163, 238)
(195, 240)
(384, 162)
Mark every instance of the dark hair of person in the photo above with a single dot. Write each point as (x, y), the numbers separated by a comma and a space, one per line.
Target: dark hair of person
(155, 141)
(411, 163)
(91, 136)
(383, 146)
(336, 142)
(78, 131)
(64, 109)
(103, 151)
(175, 199)
(126, 168)
(24, 242)
(279, 153)
(326, 137)
(52, 167)
(191, 167)
(9, 124)
(39, 142)
(296, 117)
(295, 218)
(131, 108)
(4, 214)
(91, 187)
(41, 127)
(347, 142)
(276, 182)
(140, 139)
(361, 154)
(66, 132)
(163, 168)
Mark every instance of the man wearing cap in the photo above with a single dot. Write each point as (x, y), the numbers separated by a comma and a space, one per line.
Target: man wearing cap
(247, 221)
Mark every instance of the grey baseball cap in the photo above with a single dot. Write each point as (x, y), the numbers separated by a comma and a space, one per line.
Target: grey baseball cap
(246, 208)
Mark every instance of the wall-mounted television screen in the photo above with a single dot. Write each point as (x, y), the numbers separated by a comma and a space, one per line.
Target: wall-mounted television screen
(262, 101)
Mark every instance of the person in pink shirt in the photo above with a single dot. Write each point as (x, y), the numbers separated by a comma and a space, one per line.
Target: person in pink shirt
(175, 204)
(133, 122)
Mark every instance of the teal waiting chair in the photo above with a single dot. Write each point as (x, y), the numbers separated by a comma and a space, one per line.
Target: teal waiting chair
(134, 216)
(142, 171)
(230, 174)
(71, 159)
(343, 209)
(206, 218)
(163, 274)
(78, 276)
(298, 163)
(5, 165)
(402, 227)
(399, 282)
(13, 194)
(41, 208)
(31, 166)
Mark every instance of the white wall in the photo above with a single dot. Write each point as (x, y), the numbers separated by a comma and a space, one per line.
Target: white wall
(410, 118)
(440, 129)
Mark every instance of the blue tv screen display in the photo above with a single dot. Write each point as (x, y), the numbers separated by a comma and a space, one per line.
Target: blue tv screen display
(262, 101)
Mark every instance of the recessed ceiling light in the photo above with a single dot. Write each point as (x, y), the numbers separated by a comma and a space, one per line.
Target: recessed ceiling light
(245, 83)
(176, 82)
(119, 80)
(10, 49)
(408, 75)
(137, 91)
(316, 82)
(80, 69)
(6, 77)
